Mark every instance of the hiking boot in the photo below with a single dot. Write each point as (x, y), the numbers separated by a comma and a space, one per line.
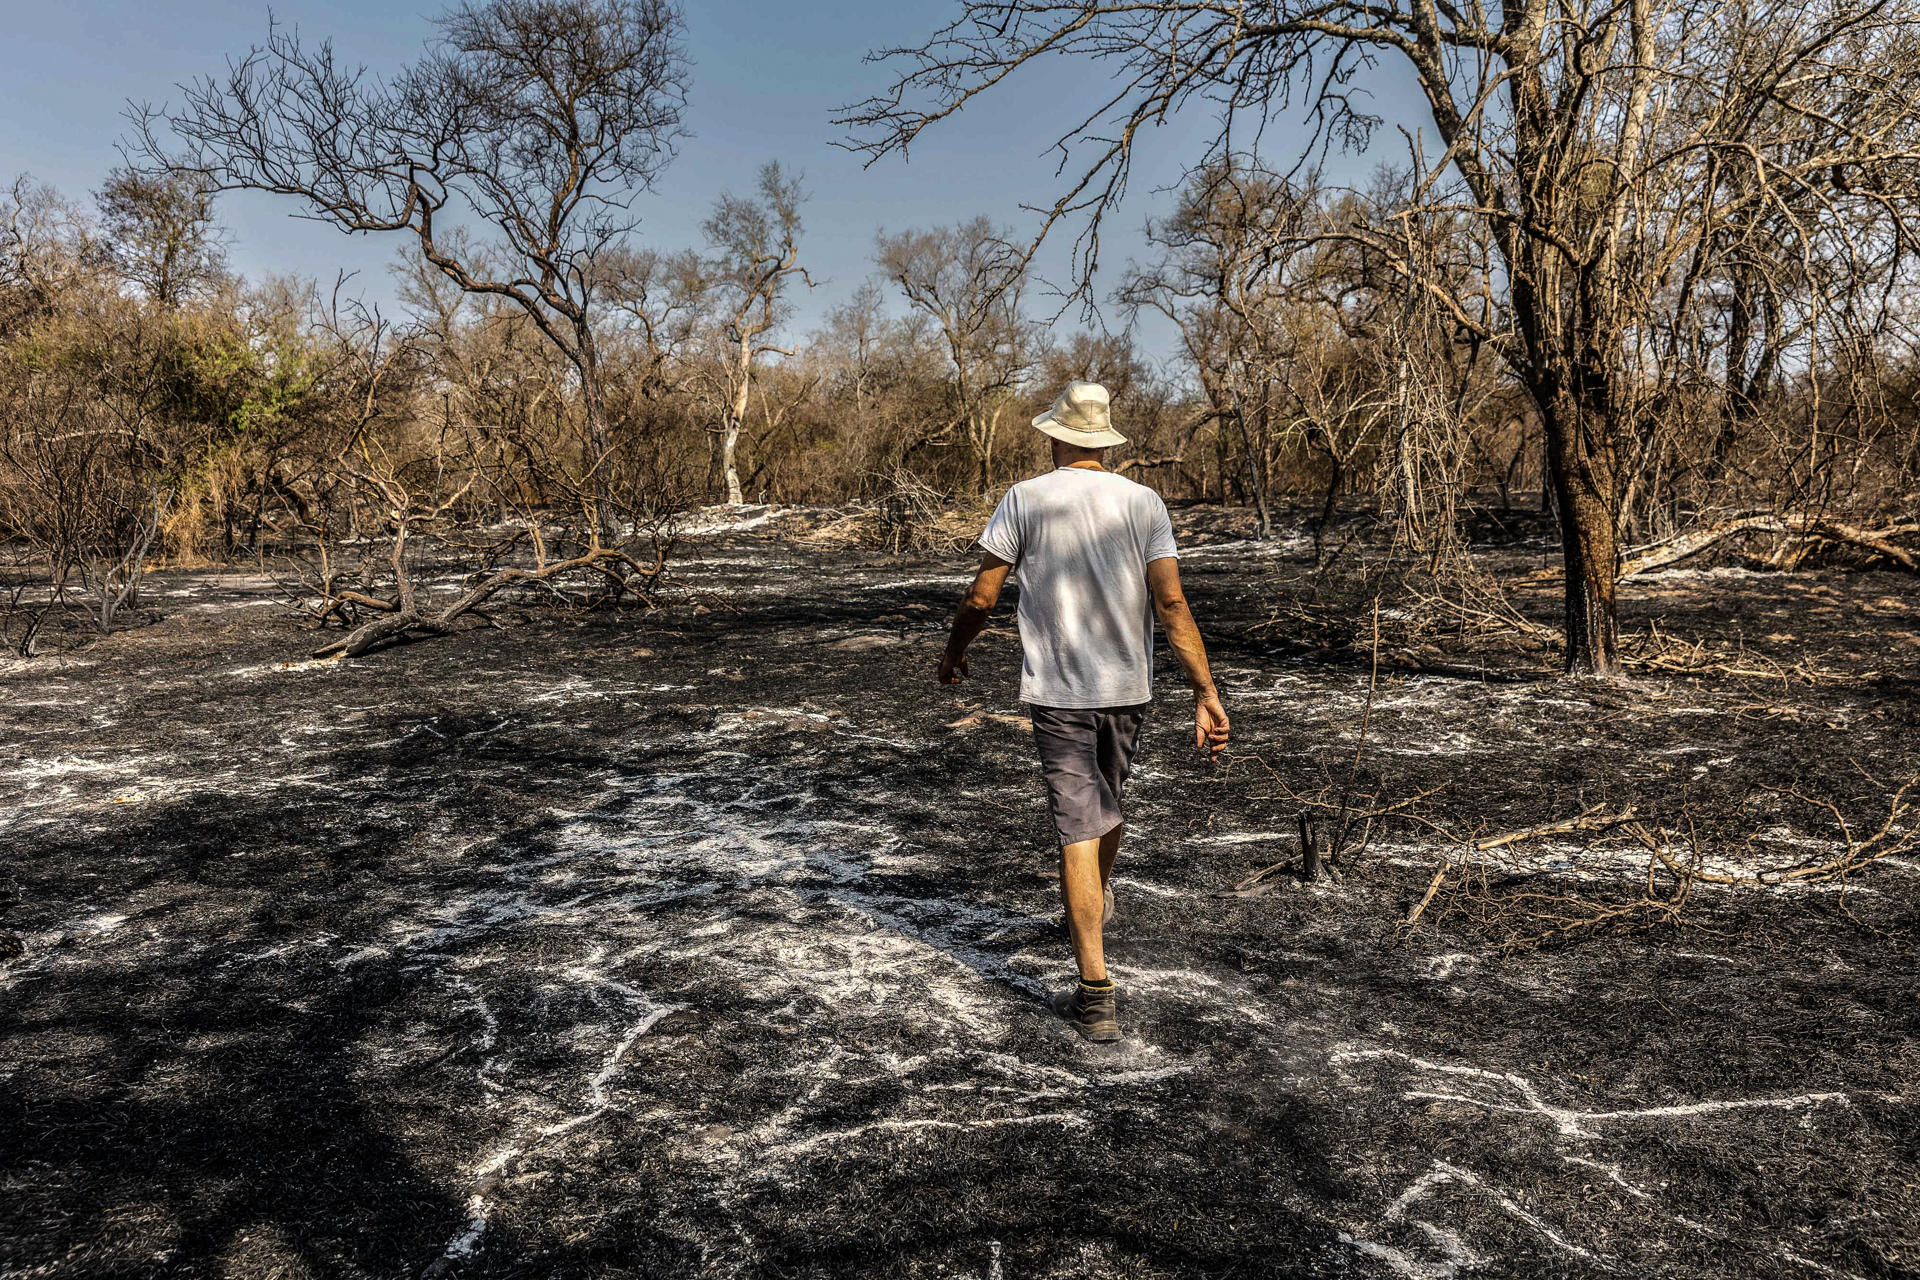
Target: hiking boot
(1106, 906)
(1090, 1012)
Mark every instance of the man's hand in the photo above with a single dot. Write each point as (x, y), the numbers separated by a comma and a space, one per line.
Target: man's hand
(1170, 602)
(1209, 724)
(971, 616)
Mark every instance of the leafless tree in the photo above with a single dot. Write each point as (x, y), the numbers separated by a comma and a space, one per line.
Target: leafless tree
(1222, 279)
(1618, 154)
(856, 333)
(159, 232)
(661, 298)
(969, 281)
(756, 243)
(43, 252)
(540, 118)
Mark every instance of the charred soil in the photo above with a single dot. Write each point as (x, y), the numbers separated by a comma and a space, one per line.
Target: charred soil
(714, 940)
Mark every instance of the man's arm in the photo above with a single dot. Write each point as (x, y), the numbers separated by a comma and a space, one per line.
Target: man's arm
(1170, 602)
(974, 610)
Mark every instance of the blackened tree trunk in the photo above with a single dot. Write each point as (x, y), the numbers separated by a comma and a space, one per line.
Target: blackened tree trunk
(1255, 481)
(1582, 472)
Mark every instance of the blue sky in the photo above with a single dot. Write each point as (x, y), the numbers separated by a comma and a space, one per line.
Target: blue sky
(767, 77)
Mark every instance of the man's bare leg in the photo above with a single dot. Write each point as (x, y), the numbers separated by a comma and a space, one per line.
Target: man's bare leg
(1080, 889)
(1109, 846)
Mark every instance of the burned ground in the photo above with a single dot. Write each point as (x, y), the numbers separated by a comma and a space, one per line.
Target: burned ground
(711, 941)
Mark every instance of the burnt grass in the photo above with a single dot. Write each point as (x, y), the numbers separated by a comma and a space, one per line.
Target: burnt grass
(711, 941)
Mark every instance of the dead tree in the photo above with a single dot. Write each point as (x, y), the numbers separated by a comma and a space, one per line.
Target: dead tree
(540, 118)
(1607, 148)
(758, 253)
(415, 493)
(969, 281)
(160, 234)
(661, 298)
(1880, 542)
(1222, 279)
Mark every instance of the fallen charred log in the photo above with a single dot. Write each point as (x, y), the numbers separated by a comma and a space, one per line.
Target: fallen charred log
(1800, 534)
(406, 616)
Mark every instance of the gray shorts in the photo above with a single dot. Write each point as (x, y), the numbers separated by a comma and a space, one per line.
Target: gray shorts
(1086, 756)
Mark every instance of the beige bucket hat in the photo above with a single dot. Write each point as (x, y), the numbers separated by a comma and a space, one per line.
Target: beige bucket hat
(1081, 417)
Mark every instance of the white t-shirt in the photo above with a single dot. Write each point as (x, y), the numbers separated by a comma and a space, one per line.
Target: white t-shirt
(1080, 541)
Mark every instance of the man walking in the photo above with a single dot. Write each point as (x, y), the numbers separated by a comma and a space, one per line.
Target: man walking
(1097, 560)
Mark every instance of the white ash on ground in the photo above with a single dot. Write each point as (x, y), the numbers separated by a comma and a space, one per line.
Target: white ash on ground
(677, 944)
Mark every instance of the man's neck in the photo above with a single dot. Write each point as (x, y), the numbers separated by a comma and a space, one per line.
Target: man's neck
(1088, 465)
